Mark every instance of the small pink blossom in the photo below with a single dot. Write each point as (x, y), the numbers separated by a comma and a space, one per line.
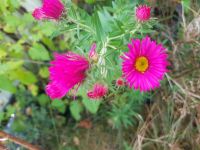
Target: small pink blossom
(66, 71)
(98, 91)
(120, 82)
(145, 65)
(143, 13)
(51, 9)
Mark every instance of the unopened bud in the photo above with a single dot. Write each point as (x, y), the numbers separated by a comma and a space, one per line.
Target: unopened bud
(93, 54)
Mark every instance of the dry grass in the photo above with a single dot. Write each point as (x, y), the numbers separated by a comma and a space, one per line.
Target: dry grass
(173, 120)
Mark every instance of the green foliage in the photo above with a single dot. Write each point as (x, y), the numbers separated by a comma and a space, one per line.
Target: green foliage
(90, 1)
(24, 76)
(10, 110)
(9, 66)
(6, 84)
(43, 100)
(38, 52)
(59, 105)
(44, 72)
(125, 111)
(186, 4)
(75, 109)
(19, 125)
(91, 106)
(1, 117)
(127, 147)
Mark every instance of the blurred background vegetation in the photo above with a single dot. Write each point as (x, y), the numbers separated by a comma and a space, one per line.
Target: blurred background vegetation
(166, 119)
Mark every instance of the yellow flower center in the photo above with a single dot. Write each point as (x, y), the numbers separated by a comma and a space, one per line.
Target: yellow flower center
(141, 64)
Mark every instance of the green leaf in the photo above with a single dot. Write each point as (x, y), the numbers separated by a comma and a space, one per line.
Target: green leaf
(9, 29)
(59, 105)
(38, 52)
(3, 6)
(2, 53)
(47, 28)
(19, 125)
(8, 66)
(34, 89)
(12, 20)
(2, 114)
(186, 4)
(48, 42)
(75, 109)
(6, 84)
(106, 20)
(43, 100)
(91, 105)
(90, 1)
(14, 3)
(98, 27)
(44, 72)
(10, 110)
(16, 48)
(25, 76)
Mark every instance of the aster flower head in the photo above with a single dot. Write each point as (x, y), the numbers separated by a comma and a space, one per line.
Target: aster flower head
(98, 91)
(143, 13)
(120, 82)
(145, 64)
(51, 9)
(66, 71)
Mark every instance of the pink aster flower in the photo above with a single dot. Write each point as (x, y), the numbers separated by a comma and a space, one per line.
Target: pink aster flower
(143, 13)
(98, 91)
(145, 64)
(51, 9)
(120, 82)
(66, 71)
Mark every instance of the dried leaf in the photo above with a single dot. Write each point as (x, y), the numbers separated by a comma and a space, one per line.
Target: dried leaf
(193, 29)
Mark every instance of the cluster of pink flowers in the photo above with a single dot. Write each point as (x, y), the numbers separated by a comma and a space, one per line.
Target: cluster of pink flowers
(70, 70)
(143, 66)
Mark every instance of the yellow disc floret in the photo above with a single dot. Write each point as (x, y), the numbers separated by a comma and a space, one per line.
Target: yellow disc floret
(141, 64)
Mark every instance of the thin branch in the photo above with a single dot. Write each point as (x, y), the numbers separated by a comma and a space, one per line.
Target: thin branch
(84, 26)
(27, 61)
(19, 141)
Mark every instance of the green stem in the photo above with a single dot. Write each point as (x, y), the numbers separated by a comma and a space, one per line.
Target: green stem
(87, 28)
(55, 129)
(136, 28)
(26, 61)
(120, 137)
